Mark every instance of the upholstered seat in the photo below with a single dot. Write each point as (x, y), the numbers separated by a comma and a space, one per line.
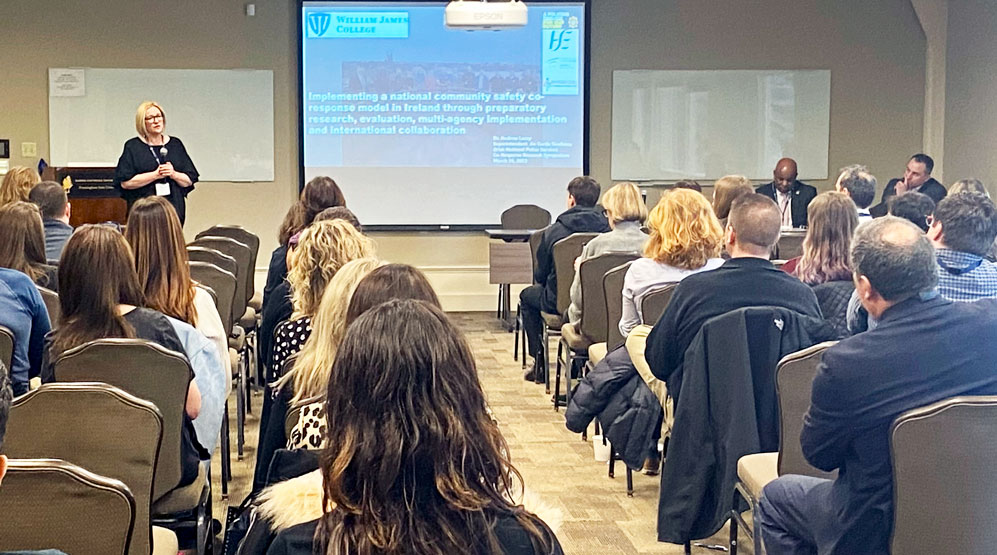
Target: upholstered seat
(756, 470)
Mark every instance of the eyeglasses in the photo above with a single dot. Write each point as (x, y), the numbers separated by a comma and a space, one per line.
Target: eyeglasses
(930, 219)
(153, 118)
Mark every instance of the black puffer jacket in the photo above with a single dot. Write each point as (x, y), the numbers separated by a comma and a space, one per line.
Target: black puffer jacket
(627, 409)
(578, 219)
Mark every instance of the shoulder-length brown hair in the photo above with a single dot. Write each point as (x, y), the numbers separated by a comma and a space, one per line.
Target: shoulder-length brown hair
(17, 184)
(319, 193)
(415, 464)
(726, 190)
(96, 274)
(684, 232)
(831, 221)
(156, 238)
(22, 239)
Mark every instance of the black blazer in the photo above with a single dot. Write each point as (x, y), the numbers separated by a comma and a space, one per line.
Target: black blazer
(931, 187)
(802, 195)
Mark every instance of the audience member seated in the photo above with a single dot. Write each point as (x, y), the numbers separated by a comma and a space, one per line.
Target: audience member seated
(626, 212)
(917, 178)
(726, 190)
(309, 375)
(54, 206)
(422, 433)
(22, 244)
(685, 239)
(925, 349)
(914, 207)
(747, 279)
(582, 216)
(318, 194)
(17, 184)
(155, 235)
(339, 213)
(385, 283)
(975, 186)
(962, 231)
(102, 298)
(791, 196)
(825, 263)
(856, 182)
(688, 184)
(23, 312)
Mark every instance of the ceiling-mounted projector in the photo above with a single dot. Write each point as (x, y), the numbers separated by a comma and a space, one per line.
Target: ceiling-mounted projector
(479, 14)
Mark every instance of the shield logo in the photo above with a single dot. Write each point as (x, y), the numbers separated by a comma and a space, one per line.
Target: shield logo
(318, 23)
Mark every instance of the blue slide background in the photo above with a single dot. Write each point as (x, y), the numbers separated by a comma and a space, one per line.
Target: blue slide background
(429, 42)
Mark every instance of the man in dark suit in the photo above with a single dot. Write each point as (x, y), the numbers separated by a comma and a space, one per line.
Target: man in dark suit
(583, 216)
(925, 349)
(791, 196)
(917, 177)
(747, 279)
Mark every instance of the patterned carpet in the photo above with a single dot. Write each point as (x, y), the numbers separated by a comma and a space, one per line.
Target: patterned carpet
(597, 516)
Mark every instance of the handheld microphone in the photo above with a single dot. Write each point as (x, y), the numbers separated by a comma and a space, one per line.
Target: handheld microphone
(163, 152)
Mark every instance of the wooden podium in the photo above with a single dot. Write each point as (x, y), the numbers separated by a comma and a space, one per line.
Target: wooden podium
(92, 194)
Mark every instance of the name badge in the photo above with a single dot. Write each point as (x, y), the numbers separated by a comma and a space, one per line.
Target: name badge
(163, 188)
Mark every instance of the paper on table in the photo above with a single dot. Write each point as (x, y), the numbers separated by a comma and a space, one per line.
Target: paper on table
(66, 82)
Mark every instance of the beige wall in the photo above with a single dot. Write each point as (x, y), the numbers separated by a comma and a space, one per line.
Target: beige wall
(875, 51)
(971, 77)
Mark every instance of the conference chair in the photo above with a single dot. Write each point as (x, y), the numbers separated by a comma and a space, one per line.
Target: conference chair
(565, 252)
(944, 496)
(790, 244)
(253, 298)
(520, 331)
(612, 286)
(98, 427)
(794, 378)
(522, 216)
(6, 347)
(52, 504)
(574, 343)
(51, 299)
(211, 256)
(653, 305)
(154, 373)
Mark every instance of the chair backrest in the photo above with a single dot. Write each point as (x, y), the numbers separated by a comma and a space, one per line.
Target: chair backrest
(653, 304)
(790, 244)
(98, 427)
(525, 216)
(147, 371)
(612, 286)
(535, 239)
(794, 378)
(944, 495)
(51, 299)
(590, 274)
(243, 236)
(565, 252)
(224, 285)
(6, 347)
(211, 256)
(52, 504)
(244, 270)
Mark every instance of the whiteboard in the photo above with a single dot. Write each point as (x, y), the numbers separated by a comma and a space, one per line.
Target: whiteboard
(223, 116)
(671, 125)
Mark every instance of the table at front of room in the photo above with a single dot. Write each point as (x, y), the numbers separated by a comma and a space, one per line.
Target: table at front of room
(509, 261)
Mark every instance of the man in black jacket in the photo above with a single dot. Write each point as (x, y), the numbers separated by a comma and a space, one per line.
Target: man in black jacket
(747, 279)
(582, 216)
(791, 196)
(917, 177)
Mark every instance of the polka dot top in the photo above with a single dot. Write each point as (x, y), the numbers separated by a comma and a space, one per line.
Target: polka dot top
(288, 339)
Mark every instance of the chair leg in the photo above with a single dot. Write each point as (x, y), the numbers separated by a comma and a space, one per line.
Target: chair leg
(612, 460)
(226, 454)
(498, 311)
(245, 380)
(515, 348)
(688, 547)
(732, 539)
(546, 355)
(240, 407)
(557, 376)
(630, 482)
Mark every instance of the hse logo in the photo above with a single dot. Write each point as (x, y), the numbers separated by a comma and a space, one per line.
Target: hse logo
(559, 40)
(318, 23)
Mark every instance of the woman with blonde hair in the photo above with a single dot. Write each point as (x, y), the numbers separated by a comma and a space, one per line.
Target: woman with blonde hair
(17, 184)
(154, 163)
(626, 212)
(22, 244)
(726, 190)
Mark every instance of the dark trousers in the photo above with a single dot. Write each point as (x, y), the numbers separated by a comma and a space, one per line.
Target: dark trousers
(530, 305)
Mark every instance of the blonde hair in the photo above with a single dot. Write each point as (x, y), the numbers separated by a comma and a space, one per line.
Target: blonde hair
(831, 222)
(310, 374)
(323, 248)
(623, 203)
(684, 231)
(970, 185)
(726, 190)
(17, 184)
(140, 116)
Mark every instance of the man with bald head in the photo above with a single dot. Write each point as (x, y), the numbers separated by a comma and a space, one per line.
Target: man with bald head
(925, 349)
(791, 196)
(747, 279)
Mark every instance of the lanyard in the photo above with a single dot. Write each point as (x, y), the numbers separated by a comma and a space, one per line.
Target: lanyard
(960, 271)
(156, 156)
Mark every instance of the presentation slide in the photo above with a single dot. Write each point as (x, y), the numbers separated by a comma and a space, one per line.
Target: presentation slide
(426, 125)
